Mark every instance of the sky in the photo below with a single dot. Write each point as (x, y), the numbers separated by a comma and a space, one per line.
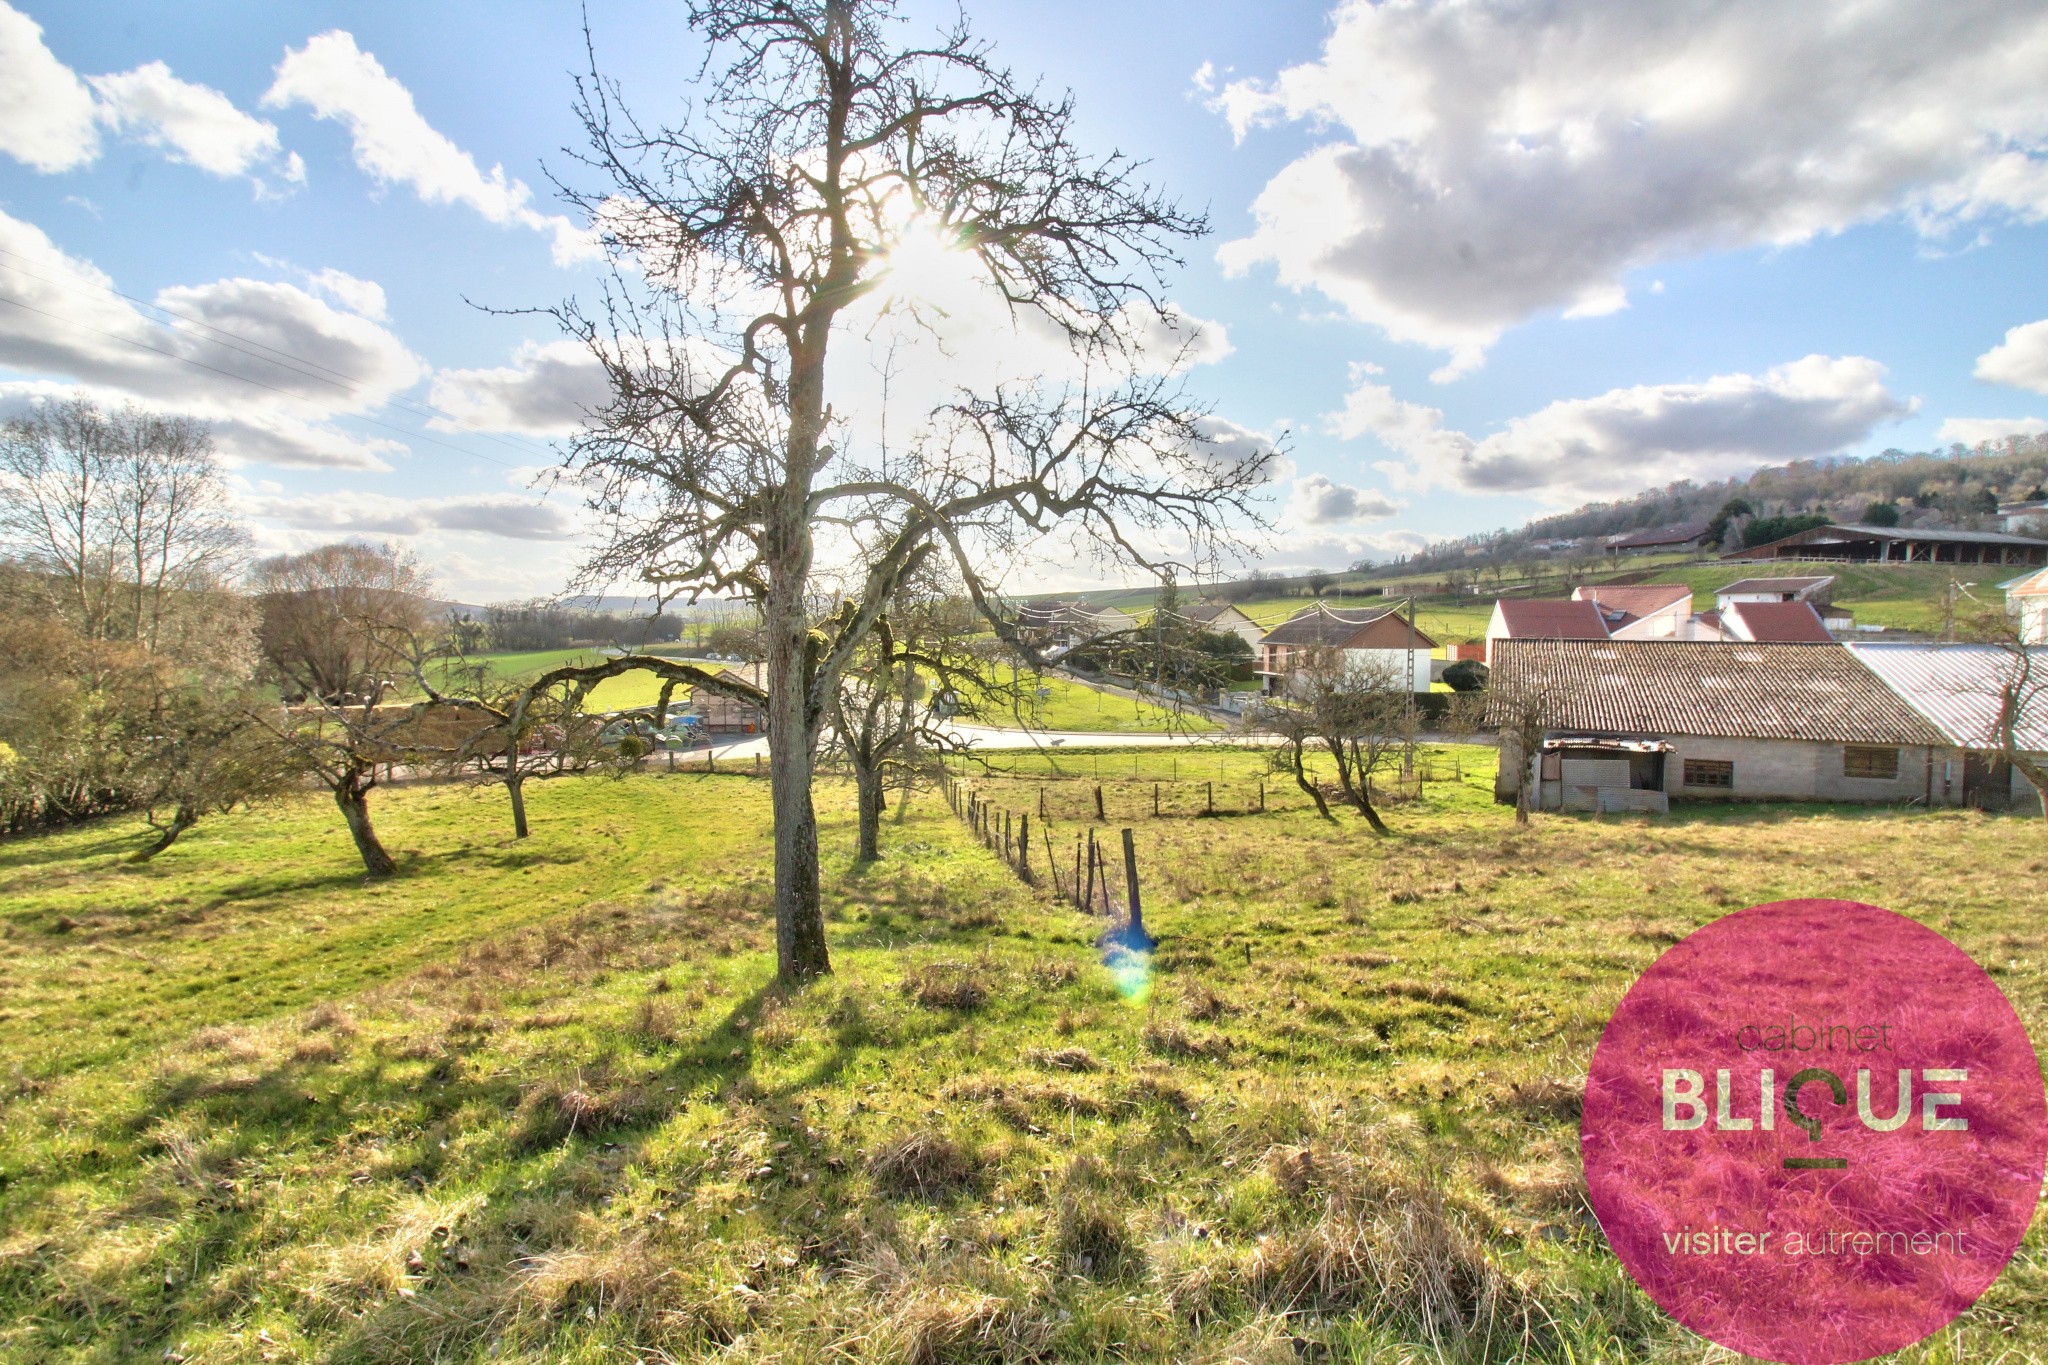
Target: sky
(1467, 262)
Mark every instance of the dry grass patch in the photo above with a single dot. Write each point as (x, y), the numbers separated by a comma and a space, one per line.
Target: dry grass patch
(923, 1164)
(959, 986)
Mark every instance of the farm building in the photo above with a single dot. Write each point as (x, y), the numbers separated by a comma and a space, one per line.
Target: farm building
(1635, 724)
(1680, 535)
(1965, 690)
(1380, 638)
(1901, 545)
(1642, 611)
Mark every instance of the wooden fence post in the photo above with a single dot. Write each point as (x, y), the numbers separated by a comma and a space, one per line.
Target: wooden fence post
(1041, 802)
(1131, 888)
(1076, 888)
(1211, 786)
(1098, 803)
(1155, 800)
(1262, 794)
(1024, 846)
(1090, 899)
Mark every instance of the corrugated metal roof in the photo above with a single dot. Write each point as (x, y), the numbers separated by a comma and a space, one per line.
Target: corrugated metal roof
(1321, 625)
(1543, 618)
(1959, 687)
(1710, 690)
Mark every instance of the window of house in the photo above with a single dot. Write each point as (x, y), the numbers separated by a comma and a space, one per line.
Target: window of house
(1709, 772)
(1860, 760)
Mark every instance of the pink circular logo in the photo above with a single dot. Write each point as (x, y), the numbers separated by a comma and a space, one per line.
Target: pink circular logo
(1814, 1131)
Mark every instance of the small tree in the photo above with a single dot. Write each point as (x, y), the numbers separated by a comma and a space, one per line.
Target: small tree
(1523, 708)
(207, 754)
(1318, 581)
(1356, 712)
(888, 719)
(2014, 692)
(337, 621)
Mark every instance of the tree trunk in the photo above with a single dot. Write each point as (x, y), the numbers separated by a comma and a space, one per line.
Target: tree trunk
(1372, 817)
(1315, 793)
(183, 819)
(515, 787)
(800, 953)
(868, 785)
(2036, 774)
(352, 794)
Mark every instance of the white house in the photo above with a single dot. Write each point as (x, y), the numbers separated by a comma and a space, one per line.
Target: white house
(1375, 641)
(2027, 598)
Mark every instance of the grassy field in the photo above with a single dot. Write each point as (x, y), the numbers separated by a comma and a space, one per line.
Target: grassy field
(613, 694)
(1897, 596)
(541, 1101)
(1070, 705)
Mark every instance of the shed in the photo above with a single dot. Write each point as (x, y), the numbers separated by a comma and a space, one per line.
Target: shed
(1737, 721)
(1901, 545)
(1964, 690)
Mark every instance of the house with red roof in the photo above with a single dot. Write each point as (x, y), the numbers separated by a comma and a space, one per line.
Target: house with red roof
(1535, 618)
(1774, 623)
(1642, 611)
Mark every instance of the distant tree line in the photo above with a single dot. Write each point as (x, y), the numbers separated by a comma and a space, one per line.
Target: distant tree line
(535, 626)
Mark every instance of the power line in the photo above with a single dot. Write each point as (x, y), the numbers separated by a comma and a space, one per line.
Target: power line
(285, 360)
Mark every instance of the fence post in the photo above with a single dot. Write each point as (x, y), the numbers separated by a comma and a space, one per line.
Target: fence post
(1024, 846)
(1155, 800)
(1091, 870)
(1007, 857)
(1131, 879)
(1041, 801)
(1262, 794)
(1075, 889)
(1098, 803)
(1211, 786)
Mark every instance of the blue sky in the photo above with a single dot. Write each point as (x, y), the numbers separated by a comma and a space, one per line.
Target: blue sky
(1478, 261)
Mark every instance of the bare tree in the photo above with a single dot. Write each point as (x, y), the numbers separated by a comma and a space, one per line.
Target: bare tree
(2014, 694)
(889, 714)
(1357, 711)
(337, 621)
(125, 519)
(821, 146)
(1522, 707)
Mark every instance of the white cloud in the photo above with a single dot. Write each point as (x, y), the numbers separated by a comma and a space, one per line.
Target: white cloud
(1319, 500)
(501, 515)
(192, 123)
(66, 321)
(2020, 361)
(1496, 160)
(545, 391)
(47, 118)
(50, 118)
(1626, 440)
(337, 80)
(1300, 551)
(1972, 431)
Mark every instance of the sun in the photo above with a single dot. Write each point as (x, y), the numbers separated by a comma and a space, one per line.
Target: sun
(926, 264)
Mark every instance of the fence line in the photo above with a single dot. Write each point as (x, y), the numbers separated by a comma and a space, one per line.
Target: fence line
(1094, 885)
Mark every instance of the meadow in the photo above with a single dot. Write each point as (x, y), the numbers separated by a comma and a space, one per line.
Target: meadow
(542, 1101)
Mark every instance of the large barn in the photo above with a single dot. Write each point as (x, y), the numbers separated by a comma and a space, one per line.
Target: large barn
(1636, 724)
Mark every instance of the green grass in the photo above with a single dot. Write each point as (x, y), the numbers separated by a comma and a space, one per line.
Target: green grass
(1073, 706)
(622, 693)
(540, 1101)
